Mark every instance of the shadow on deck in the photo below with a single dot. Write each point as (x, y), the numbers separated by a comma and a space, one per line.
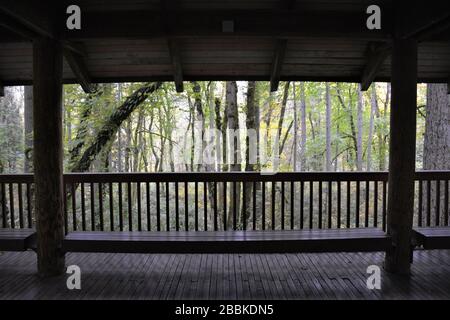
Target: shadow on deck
(226, 276)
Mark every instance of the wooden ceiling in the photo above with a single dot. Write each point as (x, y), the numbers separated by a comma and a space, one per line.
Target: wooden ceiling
(183, 40)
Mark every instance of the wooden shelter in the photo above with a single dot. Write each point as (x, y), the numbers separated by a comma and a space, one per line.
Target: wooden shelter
(183, 40)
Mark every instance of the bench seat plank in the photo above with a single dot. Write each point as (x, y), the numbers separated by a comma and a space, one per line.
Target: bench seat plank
(351, 240)
(432, 237)
(17, 239)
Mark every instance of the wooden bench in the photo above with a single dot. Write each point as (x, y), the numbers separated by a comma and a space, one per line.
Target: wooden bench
(432, 237)
(329, 240)
(17, 239)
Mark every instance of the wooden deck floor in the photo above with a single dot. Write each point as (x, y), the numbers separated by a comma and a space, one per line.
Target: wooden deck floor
(226, 276)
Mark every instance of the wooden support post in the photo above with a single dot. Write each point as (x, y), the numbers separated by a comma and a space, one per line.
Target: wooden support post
(79, 69)
(402, 154)
(376, 55)
(2, 90)
(47, 154)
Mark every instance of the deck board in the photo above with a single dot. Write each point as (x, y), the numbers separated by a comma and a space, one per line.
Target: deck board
(226, 276)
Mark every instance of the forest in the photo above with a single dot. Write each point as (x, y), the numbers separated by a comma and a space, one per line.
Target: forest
(149, 127)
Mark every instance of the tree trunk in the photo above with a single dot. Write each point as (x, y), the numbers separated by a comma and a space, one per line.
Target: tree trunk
(359, 152)
(110, 127)
(234, 146)
(328, 128)
(281, 118)
(373, 108)
(303, 127)
(251, 125)
(436, 146)
(28, 117)
(381, 136)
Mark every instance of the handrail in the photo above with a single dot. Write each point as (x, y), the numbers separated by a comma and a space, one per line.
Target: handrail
(226, 176)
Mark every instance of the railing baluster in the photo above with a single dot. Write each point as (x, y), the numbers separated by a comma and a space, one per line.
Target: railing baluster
(428, 203)
(83, 208)
(366, 212)
(320, 204)
(234, 206)
(4, 221)
(282, 205)
(19, 190)
(292, 204)
(311, 200)
(446, 212)
(111, 207)
(358, 185)
(66, 215)
(130, 207)
(273, 205)
(263, 205)
(177, 207)
(215, 207)
(158, 207)
(225, 206)
(348, 203)
(138, 196)
(147, 194)
(438, 202)
(375, 204)
(338, 204)
(420, 209)
(186, 206)
(92, 207)
(74, 206)
(100, 205)
(384, 204)
(29, 207)
(330, 199)
(196, 206)
(167, 207)
(302, 203)
(205, 206)
(120, 207)
(11, 205)
(254, 205)
(244, 206)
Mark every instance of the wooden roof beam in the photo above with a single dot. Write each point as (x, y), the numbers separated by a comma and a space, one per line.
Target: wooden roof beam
(28, 18)
(377, 54)
(277, 63)
(425, 20)
(79, 69)
(286, 24)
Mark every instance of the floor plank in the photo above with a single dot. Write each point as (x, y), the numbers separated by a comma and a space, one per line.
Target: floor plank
(226, 276)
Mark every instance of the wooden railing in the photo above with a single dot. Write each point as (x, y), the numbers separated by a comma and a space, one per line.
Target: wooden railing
(226, 200)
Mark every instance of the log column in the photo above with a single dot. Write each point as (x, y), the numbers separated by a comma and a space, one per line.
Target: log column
(402, 153)
(48, 154)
